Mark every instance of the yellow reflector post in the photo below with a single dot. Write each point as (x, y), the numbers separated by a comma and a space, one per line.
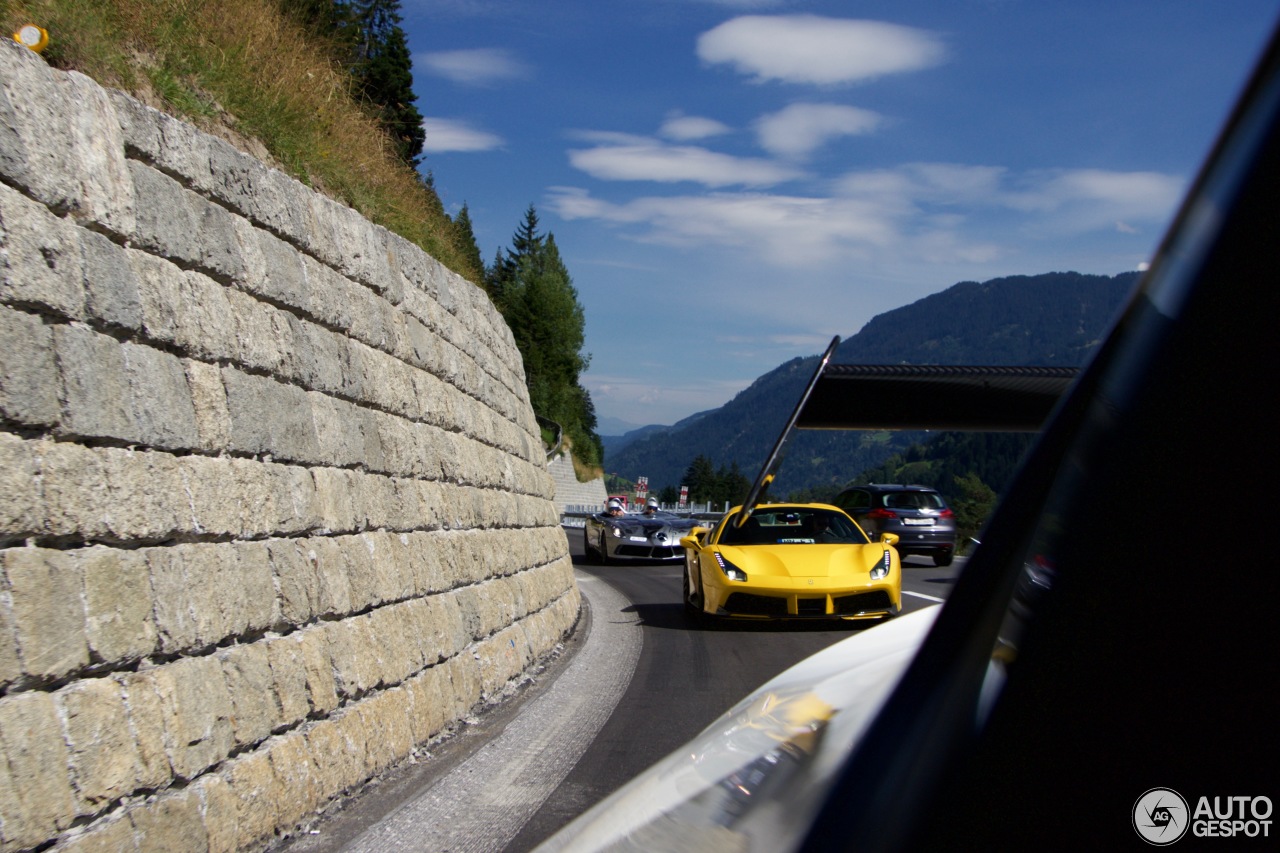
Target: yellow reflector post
(29, 35)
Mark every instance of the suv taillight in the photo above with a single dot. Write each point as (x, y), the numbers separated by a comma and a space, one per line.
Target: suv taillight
(881, 512)
(946, 513)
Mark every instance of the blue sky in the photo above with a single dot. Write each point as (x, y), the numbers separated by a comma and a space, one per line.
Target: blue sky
(732, 182)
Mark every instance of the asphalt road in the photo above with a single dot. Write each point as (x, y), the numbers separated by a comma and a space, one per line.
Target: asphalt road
(687, 675)
(637, 680)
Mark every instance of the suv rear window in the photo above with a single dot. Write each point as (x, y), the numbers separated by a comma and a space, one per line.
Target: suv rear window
(913, 500)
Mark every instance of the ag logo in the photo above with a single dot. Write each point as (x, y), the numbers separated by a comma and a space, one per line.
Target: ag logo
(1161, 816)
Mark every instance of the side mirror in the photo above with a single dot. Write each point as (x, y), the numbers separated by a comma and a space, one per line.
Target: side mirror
(694, 539)
(889, 538)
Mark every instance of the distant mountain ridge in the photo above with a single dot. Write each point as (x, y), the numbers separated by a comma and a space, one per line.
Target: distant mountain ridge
(1050, 319)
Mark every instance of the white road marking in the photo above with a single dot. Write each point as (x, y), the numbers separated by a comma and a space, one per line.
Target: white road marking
(922, 595)
(484, 802)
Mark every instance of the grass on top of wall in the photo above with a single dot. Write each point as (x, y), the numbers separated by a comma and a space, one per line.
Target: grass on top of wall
(247, 72)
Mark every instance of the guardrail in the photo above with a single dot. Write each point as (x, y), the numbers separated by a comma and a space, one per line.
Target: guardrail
(576, 515)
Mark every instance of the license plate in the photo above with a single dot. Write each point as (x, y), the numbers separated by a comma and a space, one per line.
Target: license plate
(918, 521)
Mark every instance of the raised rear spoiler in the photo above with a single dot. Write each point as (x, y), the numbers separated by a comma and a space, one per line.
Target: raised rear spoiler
(916, 396)
(927, 396)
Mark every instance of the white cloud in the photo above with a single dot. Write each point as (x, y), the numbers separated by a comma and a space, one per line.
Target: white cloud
(445, 134)
(800, 129)
(479, 67)
(650, 160)
(784, 230)
(934, 213)
(817, 50)
(684, 128)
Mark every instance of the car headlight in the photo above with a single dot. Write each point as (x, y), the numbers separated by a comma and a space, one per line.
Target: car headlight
(731, 571)
(616, 532)
(881, 568)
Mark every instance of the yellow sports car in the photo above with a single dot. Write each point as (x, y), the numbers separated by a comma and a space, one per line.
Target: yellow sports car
(791, 561)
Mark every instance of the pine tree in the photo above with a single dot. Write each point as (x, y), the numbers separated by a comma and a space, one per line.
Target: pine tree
(531, 287)
(465, 240)
(383, 69)
(701, 479)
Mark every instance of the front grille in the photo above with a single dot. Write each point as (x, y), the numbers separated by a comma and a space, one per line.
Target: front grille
(862, 602)
(644, 552)
(746, 604)
(811, 606)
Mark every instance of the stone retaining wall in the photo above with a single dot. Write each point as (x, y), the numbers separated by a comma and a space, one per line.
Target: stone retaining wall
(273, 505)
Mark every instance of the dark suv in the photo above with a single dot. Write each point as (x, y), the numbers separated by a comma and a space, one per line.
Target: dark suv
(917, 514)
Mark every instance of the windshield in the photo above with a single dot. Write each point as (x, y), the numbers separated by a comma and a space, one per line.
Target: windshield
(913, 500)
(793, 526)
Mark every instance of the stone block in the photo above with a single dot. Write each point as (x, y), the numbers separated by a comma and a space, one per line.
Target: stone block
(113, 834)
(22, 510)
(147, 723)
(462, 689)
(335, 496)
(338, 431)
(10, 665)
(288, 677)
(110, 287)
(35, 753)
(197, 714)
(266, 196)
(273, 269)
(209, 402)
(95, 386)
(439, 628)
(218, 808)
(180, 225)
(255, 484)
(159, 398)
(253, 783)
(219, 597)
(29, 381)
(353, 650)
(147, 499)
(160, 138)
(297, 505)
(386, 723)
(207, 327)
(295, 578)
(361, 580)
(341, 740)
(253, 570)
(119, 625)
(252, 687)
(168, 220)
(249, 405)
(317, 664)
(70, 142)
(213, 502)
(263, 335)
(319, 361)
(104, 756)
(177, 626)
(169, 821)
(329, 564)
(44, 588)
(103, 190)
(300, 789)
(330, 296)
(270, 417)
(399, 653)
(426, 715)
